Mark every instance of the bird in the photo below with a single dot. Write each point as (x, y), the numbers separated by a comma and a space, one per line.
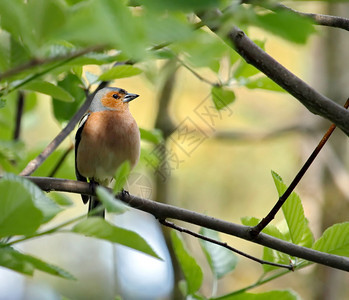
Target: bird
(107, 136)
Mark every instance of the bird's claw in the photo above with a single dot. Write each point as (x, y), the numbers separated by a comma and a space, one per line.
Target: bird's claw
(124, 193)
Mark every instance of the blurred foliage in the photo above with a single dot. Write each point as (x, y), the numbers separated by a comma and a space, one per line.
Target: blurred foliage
(45, 47)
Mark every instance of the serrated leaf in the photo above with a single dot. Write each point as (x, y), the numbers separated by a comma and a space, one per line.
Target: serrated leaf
(117, 72)
(110, 203)
(221, 260)
(27, 264)
(222, 97)
(50, 89)
(34, 195)
(293, 212)
(99, 228)
(154, 136)
(121, 176)
(18, 213)
(191, 270)
(335, 240)
(264, 83)
(272, 295)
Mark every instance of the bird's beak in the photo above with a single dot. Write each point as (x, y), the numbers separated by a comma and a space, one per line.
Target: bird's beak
(129, 97)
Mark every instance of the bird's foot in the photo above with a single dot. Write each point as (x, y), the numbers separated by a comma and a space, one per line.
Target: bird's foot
(94, 185)
(124, 193)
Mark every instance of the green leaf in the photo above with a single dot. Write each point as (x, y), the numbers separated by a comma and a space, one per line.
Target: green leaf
(121, 176)
(294, 214)
(191, 270)
(64, 111)
(27, 264)
(16, 19)
(2, 102)
(264, 83)
(50, 89)
(117, 72)
(47, 17)
(287, 25)
(272, 295)
(61, 199)
(180, 5)
(99, 228)
(13, 206)
(109, 201)
(18, 213)
(335, 240)
(221, 260)
(5, 50)
(222, 97)
(244, 70)
(154, 136)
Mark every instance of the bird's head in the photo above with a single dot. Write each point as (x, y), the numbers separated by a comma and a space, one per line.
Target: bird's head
(111, 99)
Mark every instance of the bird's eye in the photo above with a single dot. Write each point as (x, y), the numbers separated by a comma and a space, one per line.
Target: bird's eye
(116, 96)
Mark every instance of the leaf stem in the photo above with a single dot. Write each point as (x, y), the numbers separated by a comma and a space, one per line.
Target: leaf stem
(270, 216)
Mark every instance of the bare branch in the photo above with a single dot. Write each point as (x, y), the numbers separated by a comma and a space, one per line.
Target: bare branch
(19, 114)
(319, 19)
(164, 211)
(225, 245)
(61, 161)
(271, 215)
(314, 101)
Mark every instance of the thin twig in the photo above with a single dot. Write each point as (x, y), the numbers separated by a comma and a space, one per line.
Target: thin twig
(36, 162)
(19, 114)
(61, 161)
(37, 61)
(319, 19)
(225, 245)
(164, 211)
(254, 55)
(265, 221)
(196, 74)
(256, 284)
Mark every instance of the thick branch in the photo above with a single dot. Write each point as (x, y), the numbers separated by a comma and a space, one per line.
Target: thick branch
(162, 211)
(310, 98)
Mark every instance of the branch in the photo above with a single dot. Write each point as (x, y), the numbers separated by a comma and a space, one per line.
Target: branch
(61, 161)
(225, 245)
(271, 215)
(19, 114)
(36, 162)
(163, 211)
(37, 61)
(319, 19)
(314, 101)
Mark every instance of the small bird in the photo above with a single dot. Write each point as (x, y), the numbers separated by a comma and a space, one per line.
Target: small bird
(107, 136)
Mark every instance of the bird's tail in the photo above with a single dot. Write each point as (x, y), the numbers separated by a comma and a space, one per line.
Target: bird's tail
(93, 204)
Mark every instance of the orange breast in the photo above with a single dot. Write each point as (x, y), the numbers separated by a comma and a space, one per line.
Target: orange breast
(108, 139)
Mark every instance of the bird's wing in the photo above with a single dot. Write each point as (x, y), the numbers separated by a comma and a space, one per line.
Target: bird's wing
(79, 177)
